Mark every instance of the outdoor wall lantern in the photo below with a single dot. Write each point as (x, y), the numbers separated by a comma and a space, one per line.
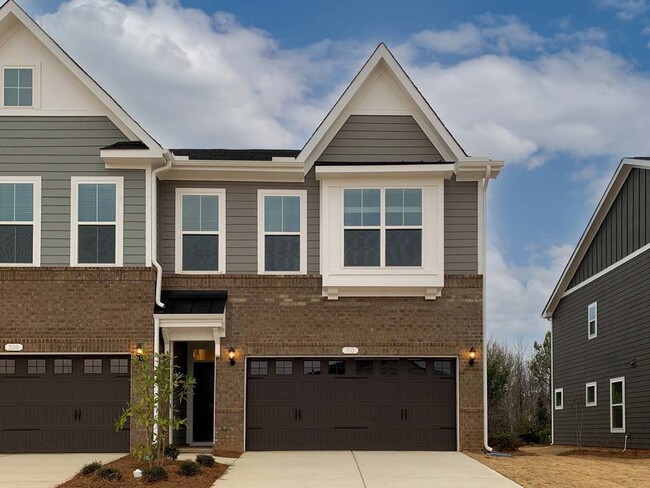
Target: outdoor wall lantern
(472, 356)
(139, 352)
(231, 355)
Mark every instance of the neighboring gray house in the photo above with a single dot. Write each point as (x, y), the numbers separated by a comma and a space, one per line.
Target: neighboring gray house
(600, 312)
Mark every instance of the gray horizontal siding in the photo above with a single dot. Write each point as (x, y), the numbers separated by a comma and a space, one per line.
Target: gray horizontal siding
(625, 229)
(380, 138)
(461, 227)
(57, 148)
(623, 297)
(241, 221)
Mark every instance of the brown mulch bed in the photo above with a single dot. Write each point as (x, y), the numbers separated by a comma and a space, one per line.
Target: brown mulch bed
(128, 464)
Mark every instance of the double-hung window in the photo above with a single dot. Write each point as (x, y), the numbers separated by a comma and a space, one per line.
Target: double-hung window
(617, 405)
(18, 87)
(200, 230)
(592, 320)
(282, 231)
(97, 221)
(382, 227)
(20, 221)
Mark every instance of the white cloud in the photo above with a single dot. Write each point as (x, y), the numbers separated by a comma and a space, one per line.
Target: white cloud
(516, 295)
(625, 9)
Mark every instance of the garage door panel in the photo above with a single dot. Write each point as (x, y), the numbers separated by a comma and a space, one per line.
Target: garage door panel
(352, 404)
(57, 407)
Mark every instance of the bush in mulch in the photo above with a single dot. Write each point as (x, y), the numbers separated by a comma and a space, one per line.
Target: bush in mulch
(172, 452)
(205, 460)
(109, 474)
(189, 468)
(154, 473)
(90, 468)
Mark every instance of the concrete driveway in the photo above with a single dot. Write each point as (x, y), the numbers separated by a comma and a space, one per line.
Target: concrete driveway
(44, 470)
(359, 469)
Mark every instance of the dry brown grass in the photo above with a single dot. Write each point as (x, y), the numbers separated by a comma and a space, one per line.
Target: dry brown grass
(562, 466)
(128, 464)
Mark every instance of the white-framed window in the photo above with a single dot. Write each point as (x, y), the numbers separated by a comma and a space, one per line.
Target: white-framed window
(200, 230)
(382, 227)
(591, 394)
(20, 220)
(617, 405)
(97, 221)
(558, 398)
(282, 231)
(592, 320)
(18, 86)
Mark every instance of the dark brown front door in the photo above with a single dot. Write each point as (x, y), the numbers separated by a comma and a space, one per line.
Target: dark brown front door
(63, 403)
(344, 403)
(203, 403)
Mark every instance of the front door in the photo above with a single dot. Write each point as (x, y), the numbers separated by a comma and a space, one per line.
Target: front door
(203, 408)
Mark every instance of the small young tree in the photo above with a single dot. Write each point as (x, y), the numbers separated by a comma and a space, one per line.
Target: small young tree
(155, 379)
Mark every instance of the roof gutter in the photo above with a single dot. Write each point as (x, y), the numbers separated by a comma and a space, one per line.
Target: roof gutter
(168, 158)
(486, 181)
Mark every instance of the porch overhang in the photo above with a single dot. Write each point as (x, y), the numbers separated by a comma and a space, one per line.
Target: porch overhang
(192, 316)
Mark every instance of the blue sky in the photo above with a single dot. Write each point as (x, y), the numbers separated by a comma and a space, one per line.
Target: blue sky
(560, 90)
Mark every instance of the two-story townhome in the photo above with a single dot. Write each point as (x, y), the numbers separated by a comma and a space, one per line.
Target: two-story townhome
(600, 312)
(329, 297)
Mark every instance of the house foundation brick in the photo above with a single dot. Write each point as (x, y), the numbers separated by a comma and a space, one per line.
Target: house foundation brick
(287, 315)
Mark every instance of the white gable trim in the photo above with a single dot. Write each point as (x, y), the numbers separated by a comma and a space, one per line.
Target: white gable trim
(422, 113)
(614, 187)
(116, 113)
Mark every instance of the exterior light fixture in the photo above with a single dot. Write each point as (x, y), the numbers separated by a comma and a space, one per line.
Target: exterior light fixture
(139, 352)
(231, 356)
(472, 356)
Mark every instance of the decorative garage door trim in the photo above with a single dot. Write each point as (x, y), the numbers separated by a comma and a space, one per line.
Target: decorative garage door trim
(352, 405)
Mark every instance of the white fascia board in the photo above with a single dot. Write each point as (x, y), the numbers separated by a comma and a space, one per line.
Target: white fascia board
(472, 169)
(120, 117)
(606, 201)
(450, 149)
(289, 172)
(130, 158)
(364, 170)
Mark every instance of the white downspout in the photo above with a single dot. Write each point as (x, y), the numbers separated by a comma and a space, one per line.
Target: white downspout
(488, 173)
(154, 226)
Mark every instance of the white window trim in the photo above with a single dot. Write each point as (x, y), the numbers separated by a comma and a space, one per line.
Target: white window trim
(382, 227)
(593, 384)
(555, 405)
(593, 306)
(613, 430)
(36, 219)
(221, 193)
(35, 73)
(261, 233)
(75, 181)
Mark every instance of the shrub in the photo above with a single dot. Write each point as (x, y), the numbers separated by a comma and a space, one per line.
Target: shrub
(109, 474)
(90, 468)
(154, 473)
(172, 452)
(205, 460)
(189, 468)
(505, 442)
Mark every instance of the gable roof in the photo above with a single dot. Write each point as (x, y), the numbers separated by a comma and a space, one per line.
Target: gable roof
(118, 115)
(381, 57)
(618, 180)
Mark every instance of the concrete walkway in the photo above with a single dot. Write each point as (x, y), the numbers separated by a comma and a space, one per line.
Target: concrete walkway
(44, 470)
(359, 469)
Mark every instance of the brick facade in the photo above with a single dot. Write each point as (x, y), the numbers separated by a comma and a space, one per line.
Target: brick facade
(288, 316)
(77, 310)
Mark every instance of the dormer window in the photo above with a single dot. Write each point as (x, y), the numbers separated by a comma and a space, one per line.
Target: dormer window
(18, 87)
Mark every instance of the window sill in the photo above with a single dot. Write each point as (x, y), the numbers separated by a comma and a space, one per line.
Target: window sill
(199, 273)
(426, 292)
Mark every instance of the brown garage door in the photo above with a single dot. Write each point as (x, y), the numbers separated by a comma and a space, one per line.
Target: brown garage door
(63, 403)
(343, 403)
